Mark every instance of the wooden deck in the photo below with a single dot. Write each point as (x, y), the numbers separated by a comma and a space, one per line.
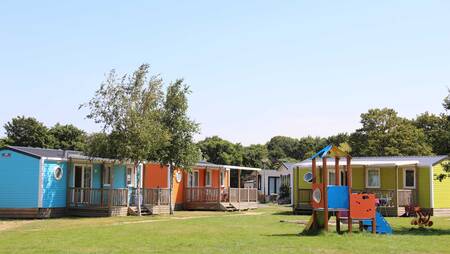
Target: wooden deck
(91, 202)
(220, 199)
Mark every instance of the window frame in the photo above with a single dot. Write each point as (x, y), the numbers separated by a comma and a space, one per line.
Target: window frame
(107, 168)
(222, 178)
(208, 178)
(367, 178)
(132, 176)
(404, 178)
(192, 174)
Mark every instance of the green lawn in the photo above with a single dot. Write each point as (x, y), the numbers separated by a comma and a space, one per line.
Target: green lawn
(258, 231)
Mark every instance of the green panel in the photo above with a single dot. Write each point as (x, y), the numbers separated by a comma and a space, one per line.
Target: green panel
(441, 189)
(423, 185)
(387, 178)
(358, 178)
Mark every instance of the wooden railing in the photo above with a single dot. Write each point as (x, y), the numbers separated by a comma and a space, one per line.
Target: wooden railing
(202, 194)
(210, 194)
(96, 197)
(150, 196)
(237, 195)
(406, 197)
(304, 197)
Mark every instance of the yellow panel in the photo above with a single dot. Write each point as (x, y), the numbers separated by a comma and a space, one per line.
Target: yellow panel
(441, 189)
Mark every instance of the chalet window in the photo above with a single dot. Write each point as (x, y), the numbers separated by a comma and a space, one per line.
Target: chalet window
(106, 175)
(409, 178)
(208, 178)
(193, 179)
(331, 177)
(373, 178)
(259, 182)
(58, 173)
(130, 176)
(222, 178)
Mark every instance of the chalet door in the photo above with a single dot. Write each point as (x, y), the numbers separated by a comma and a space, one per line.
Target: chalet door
(82, 181)
(273, 185)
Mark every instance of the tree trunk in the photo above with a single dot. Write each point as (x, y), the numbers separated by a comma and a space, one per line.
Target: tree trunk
(138, 189)
(170, 188)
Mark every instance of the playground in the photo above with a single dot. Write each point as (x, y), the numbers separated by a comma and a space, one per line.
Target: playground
(257, 231)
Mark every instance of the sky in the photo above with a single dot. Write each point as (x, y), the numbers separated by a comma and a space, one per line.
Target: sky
(256, 69)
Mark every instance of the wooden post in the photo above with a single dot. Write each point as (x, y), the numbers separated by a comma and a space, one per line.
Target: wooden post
(111, 186)
(374, 225)
(313, 170)
(337, 181)
(325, 194)
(396, 191)
(68, 196)
(349, 184)
(239, 188)
(102, 169)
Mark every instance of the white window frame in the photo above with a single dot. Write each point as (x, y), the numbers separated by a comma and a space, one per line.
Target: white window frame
(404, 178)
(208, 178)
(107, 168)
(367, 178)
(222, 178)
(332, 171)
(83, 166)
(132, 176)
(192, 174)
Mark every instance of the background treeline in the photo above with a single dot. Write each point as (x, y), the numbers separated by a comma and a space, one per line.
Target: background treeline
(383, 133)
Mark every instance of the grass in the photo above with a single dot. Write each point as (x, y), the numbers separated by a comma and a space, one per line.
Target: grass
(258, 231)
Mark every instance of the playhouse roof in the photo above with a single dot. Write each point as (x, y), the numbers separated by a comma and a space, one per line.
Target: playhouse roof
(330, 151)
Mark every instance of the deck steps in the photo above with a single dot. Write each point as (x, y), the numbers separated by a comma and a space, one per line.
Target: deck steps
(145, 211)
(227, 207)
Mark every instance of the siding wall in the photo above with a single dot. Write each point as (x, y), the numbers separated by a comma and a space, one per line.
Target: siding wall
(54, 191)
(19, 180)
(441, 189)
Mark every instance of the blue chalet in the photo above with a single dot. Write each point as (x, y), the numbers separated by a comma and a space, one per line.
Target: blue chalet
(42, 183)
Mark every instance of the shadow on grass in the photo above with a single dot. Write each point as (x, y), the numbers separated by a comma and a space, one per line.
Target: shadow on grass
(421, 231)
(283, 213)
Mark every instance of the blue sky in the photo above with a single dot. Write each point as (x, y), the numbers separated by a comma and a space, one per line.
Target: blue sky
(257, 69)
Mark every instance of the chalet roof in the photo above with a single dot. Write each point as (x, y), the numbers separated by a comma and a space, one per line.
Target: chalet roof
(381, 161)
(43, 152)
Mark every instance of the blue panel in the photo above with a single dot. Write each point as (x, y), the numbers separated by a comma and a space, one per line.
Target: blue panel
(97, 174)
(54, 191)
(338, 197)
(119, 176)
(19, 180)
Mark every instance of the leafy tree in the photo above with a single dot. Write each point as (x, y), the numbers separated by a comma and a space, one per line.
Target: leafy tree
(255, 156)
(68, 137)
(220, 151)
(437, 131)
(180, 150)
(282, 148)
(99, 145)
(129, 110)
(308, 146)
(446, 102)
(27, 131)
(3, 142)
(383, 133)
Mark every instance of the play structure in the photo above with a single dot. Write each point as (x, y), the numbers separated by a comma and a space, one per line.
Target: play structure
(338, 199)
(422, 217)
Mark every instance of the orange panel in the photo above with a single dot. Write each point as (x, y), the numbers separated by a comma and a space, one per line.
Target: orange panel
(317, 191)
(155, 176)
(178, 187)
(362, 206)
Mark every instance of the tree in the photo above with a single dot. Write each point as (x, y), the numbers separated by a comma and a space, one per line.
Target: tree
(3, 142)
(129, 110)
(282, 148)
(180, 150)
(68, 137)
(384, 133)
(437, 131)
(446, 102)
(220, 151)
(255, 156)
(27, 131)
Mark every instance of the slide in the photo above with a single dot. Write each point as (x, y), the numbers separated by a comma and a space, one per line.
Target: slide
(383, 226)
